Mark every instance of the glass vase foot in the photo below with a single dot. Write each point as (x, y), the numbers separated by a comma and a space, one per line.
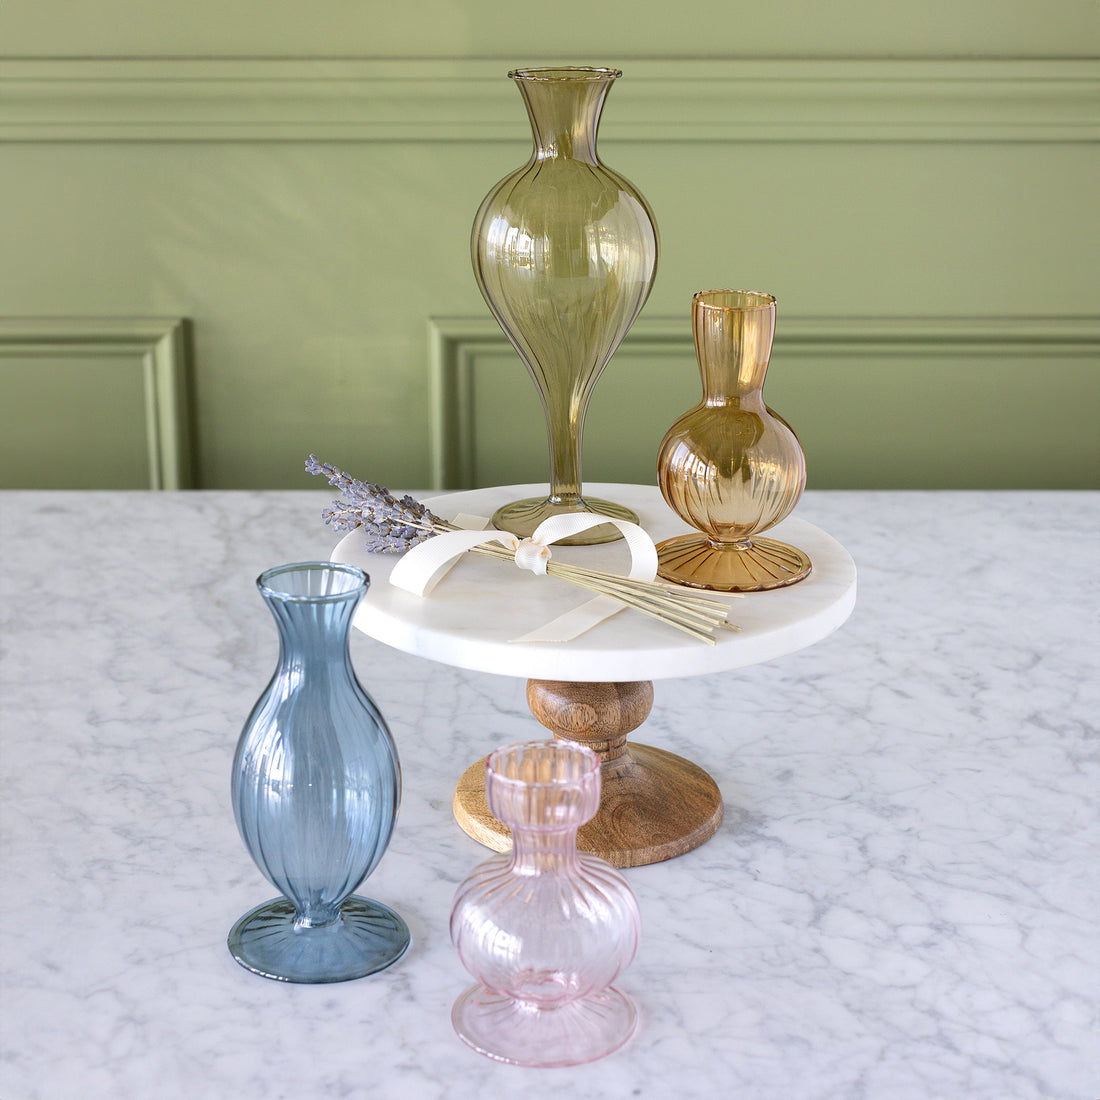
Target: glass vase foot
(754, 566)
(525, 1034)
(521, 517)
(367, 938)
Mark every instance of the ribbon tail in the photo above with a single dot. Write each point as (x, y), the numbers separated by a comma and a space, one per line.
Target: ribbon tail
(576, 622)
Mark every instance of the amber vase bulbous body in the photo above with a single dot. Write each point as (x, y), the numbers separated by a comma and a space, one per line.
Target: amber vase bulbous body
(564, 251)
(730, 466)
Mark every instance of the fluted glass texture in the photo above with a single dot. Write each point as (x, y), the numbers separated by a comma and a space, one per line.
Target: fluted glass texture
(544, 930)
(731, 467)
(316, 786)
(565, 253)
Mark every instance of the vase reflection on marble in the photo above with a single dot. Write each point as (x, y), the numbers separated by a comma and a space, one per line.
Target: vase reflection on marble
(565, 253)
(316, 787)
(544, 929)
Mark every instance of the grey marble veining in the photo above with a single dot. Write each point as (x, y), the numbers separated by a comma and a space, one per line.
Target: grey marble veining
(901, 904)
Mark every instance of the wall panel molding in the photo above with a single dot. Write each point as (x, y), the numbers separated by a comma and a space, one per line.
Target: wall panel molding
(153, 348)
(663, 100)
(465, 353)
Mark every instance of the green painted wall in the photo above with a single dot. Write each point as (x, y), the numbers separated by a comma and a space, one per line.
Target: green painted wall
(917, 190)
(523, 29)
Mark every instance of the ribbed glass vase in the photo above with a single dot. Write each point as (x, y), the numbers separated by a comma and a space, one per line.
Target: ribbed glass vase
(565, 253)
(545, 930)
(316, 787)
(731, 467)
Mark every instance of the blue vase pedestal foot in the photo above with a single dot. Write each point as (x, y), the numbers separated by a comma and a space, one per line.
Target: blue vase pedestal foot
(568, 1034)
(365, 938)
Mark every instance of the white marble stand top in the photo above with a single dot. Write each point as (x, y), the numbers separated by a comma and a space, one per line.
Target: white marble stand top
(470, 619)
(901, 903)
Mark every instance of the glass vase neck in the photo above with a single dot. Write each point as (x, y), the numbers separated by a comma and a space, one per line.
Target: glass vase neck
(733, 332)
(564, 107)
(313, 604)
(543, 791)
(542, 851)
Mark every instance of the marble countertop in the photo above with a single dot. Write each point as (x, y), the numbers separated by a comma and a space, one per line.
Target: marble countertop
(900, 905)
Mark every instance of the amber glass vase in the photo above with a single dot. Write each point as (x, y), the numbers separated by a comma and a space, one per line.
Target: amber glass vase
(564, 251)
(731, 467)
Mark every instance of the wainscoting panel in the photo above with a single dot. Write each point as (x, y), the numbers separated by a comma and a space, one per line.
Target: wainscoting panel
(876, 401)
(94, 403)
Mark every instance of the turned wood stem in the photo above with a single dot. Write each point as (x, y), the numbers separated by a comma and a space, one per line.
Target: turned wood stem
(599, 715)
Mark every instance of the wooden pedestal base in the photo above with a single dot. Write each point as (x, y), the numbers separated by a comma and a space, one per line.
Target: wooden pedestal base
(655, 804)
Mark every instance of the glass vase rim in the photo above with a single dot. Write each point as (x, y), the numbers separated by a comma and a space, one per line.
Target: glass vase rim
(562, 73)
(760, 299)
(583, 752)
(360, 578)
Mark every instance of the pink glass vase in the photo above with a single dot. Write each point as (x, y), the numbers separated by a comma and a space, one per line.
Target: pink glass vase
(544, 929)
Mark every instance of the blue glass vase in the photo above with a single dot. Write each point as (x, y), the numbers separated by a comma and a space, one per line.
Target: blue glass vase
(316, 787)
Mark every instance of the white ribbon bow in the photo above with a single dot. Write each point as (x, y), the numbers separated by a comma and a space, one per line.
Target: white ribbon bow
(423, 567)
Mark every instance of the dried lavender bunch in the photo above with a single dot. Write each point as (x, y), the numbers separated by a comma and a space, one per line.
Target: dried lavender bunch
(391, 526)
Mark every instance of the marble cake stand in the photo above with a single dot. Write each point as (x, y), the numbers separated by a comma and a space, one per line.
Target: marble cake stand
(598, 688)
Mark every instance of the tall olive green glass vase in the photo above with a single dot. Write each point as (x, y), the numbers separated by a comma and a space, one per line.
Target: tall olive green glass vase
(564, 251)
